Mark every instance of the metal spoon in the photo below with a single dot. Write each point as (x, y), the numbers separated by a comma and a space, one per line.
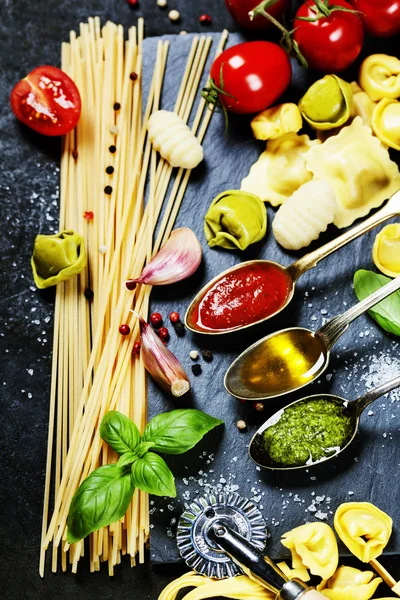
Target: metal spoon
(351, 409)
(294, 271)
(289, 359)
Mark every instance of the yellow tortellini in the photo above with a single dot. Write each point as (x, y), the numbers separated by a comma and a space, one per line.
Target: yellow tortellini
(274, 122)
(327, 103)
(386, 122)
(281, 169)
(57, 257)
(386, 251)
(313, 546)
(350, 584)
(380, 76)
(363, 528)
(359, 170)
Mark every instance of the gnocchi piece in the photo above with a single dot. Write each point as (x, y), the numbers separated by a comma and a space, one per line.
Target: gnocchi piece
(281, 169)
(359, 170)
(306, 214)
(173, 139)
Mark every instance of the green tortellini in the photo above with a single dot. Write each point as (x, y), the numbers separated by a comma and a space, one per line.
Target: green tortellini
(57, 257)
(327, 103)
(235, 219)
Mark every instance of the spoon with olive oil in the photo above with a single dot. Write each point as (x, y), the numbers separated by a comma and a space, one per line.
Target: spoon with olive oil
(312, 430)
(289, 359)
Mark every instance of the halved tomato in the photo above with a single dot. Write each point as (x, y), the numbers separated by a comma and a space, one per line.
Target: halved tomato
(47, 100)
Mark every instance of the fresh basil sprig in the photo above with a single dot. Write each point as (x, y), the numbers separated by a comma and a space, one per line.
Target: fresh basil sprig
(104, 496)
(387, 312)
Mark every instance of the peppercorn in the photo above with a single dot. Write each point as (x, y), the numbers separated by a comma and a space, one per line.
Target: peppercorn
(108, 190)
(124, 329)
(133, 76)
(88, 293)
(174, 317)
(116, 106)
(110, 170)
(258, 406)
(112, 149)
(196, 370)
(156, 319)
(194, 355)
(130, 284)
(88, 215)
(179, 329)
(207, 355)
(205, 20)
(163, 333)
(174, 15)
(133, 3)
(241, 425)
(136, 348)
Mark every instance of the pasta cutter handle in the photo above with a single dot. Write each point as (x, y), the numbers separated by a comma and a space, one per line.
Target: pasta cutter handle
(258, 567)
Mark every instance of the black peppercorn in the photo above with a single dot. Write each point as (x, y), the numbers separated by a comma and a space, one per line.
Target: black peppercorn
(117, 106)
(179, 329)
(196, 370)
(110, 170)
(108, 190)
(88, 293)
(112, 149)
(207, 355)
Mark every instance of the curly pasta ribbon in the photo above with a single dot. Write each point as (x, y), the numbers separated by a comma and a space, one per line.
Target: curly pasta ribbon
(313, 546)
(240, 588)
(363, 528)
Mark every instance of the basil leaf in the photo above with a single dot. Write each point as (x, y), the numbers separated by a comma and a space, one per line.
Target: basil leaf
(178, 431)
(387, 312)
(101, 499)
(127, 459)
(143, 448)
(151, 474)
(119, 432)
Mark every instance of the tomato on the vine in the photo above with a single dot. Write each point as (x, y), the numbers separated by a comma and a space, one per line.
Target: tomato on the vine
(47, 100)
(240, 9)
(380, 18)
(330, 39)
(249, 77)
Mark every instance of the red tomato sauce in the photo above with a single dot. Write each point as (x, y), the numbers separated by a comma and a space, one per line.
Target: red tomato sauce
(242, 297)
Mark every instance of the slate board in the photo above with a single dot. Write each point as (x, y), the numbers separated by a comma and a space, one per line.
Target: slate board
(369, 469)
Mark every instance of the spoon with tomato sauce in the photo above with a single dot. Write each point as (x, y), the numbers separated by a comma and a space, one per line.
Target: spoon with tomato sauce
(289, 359)
(254, 291)
(312, 430)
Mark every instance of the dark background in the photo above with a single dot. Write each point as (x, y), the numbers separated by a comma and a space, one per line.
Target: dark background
(30, 35)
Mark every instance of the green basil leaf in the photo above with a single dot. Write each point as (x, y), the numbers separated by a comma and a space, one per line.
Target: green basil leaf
(178, 431)
(101, 499)
(152, 474)
(119, 432)
(127, 459)
(387, 312)
(143, 448)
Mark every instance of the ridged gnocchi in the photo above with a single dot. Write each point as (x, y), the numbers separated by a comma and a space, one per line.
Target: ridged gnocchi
(306, 214)
(173, 139)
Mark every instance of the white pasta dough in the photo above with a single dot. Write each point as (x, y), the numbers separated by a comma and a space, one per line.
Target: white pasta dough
(305, 215)
(172, 138)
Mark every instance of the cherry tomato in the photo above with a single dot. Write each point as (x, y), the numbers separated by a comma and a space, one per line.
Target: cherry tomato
(380, 18)
(329, 44)
(240, 9)
(253, 75)
(47, 100)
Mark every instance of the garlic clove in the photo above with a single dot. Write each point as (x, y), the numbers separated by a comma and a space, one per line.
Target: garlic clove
(162, 365)
(179, 258)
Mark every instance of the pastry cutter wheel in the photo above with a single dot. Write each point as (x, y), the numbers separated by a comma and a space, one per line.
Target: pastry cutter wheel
(224, 535)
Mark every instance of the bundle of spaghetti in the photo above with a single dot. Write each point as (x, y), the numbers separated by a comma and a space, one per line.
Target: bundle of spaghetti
(110, 174)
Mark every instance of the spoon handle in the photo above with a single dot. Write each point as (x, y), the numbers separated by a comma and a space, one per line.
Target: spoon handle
(332, 330)
(310, 260)
(371, 396)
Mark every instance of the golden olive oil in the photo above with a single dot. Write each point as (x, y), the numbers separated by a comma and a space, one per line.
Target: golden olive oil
(283, 362)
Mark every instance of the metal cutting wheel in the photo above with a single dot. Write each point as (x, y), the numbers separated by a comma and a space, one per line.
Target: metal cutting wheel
(236, 513)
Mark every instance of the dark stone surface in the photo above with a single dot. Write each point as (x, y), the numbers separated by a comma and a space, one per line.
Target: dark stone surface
(30, 35)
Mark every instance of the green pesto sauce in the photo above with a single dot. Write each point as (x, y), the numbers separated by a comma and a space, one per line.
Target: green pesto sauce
(307, 432)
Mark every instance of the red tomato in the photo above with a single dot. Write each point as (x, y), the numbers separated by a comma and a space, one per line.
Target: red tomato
(329, 44)
(380, 18)
(240, 9)
(47, 100)
(254, 74)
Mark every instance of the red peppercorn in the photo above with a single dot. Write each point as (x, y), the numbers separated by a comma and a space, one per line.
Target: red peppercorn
(155, 319)
(174, 317)
(164, 334)
(88, 215)
(258, 406)
(130, 284)
(124, 329)
(133, 3)
(205, 20)
(136, 348)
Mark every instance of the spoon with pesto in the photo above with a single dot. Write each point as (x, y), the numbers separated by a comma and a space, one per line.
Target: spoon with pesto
(311, 430)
